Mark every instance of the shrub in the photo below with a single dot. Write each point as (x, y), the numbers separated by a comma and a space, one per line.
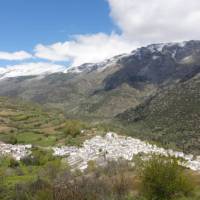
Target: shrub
(51, 170)
(82, 188)
(163, 179)
(73, 128)
(92, 165)
(121, 186)
(12, 139)
(13, 163)
(38, 157)
(71, 141)
(36, 190)
(8, 161)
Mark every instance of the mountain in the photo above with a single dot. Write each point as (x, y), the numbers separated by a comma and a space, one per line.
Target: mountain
(80, 93)
(113, 86)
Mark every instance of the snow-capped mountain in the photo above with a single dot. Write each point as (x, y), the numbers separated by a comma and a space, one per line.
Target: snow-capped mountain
(109, 87)
(182, 52)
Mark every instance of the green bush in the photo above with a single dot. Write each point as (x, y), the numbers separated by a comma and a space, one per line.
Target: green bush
(36, 190)
(8, 161)
(12, 139)
(73, 128)
(163, 179)
(13, 163)
(38, 157)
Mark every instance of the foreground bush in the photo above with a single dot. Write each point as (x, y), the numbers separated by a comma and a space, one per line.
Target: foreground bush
(42, 177)
(163, 179)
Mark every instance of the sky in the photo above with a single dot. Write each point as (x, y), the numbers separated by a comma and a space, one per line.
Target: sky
(55, 34)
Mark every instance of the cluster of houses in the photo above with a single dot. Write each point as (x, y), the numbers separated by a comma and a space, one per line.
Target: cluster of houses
(114, 147)
(16, 151)
(102, 149)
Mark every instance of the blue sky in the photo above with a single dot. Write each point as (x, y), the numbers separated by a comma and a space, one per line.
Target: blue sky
(25, 23)
(55, 34)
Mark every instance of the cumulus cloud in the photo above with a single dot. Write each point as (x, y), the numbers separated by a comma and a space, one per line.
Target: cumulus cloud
(141, 22)
(19, 55)
(153, 21)
(27, 69)
(85, 48)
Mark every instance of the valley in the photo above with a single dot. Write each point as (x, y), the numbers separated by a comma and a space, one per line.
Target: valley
(151, 93)
(99, 100)
(126, 110)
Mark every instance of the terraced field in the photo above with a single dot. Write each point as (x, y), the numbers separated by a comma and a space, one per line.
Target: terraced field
(22, 122)
(28, 123)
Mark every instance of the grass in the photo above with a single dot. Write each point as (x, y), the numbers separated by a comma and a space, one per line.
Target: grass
(36, 139)
(13, 180)
(28, 123)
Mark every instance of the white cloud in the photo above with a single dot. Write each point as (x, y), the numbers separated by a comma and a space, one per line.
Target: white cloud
(85, 48)
(141, 22)
(19, 55)
(27, 69)
(153, 21)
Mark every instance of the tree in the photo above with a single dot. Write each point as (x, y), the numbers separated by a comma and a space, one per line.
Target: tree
(163, 179)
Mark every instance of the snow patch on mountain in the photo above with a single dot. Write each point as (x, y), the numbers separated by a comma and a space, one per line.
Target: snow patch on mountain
(88, 67)
(30, 69)
(155, 49)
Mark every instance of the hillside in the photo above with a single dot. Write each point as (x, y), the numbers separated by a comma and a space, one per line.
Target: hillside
(22, 122)
(172, 116)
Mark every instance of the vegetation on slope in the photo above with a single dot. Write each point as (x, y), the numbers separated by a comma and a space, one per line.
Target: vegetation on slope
(171, 117)
(28, 123)
(43, 177)
(163, 178)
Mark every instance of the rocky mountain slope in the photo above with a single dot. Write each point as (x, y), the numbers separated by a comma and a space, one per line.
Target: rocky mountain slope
(113, 86)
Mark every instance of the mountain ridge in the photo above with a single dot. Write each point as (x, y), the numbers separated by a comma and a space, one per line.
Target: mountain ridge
(20, 70)
(113, 86)
(144, 88)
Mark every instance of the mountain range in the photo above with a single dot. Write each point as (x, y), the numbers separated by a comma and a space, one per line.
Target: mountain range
(156, 87)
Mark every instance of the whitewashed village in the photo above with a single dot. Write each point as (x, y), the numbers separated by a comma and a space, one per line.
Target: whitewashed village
(102, 149)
